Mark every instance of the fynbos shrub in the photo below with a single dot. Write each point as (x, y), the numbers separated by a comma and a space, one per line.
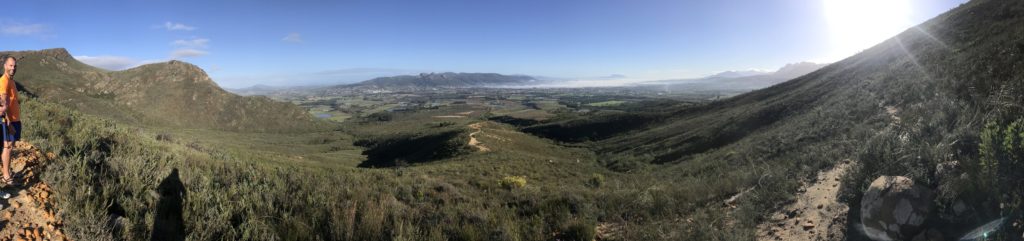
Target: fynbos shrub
(511, 182)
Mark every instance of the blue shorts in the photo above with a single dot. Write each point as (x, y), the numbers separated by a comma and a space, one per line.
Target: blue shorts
(8, 136)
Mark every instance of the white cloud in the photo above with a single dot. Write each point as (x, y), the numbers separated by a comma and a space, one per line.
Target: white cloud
(186, 53)
(293, 38)
(20, 29)
(177, 26)
(191, 43)
(113, 62)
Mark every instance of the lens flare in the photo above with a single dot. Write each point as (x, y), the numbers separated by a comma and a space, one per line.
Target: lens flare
(855, 25)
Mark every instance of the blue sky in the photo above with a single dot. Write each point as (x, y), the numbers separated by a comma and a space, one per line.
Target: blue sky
(244, 43)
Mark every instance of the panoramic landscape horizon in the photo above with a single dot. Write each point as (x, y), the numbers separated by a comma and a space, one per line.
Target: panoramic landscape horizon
(512, 120)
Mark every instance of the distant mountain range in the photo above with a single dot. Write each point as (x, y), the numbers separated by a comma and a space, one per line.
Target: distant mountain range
(174, 94)
(729, 80)
(420, 81)
(448, 79)
(737, 80)
(739, 73)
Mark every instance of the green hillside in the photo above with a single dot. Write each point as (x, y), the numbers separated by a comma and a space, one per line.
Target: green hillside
(173, 93)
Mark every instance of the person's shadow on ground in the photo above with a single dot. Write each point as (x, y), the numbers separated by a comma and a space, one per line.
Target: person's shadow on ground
(169, 223)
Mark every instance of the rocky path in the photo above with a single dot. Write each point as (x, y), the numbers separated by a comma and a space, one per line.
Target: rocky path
(30, 213)
(816, 215)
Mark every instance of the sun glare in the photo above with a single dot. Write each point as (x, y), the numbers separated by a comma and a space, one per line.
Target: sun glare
(855, 25)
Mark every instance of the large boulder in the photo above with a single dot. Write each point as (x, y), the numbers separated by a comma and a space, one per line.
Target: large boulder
(894, 208)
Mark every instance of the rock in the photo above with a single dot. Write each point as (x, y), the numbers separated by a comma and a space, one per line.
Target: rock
(894, 208)
(8, 215)
(808, 225)
(44, 195)
(791, 213)
(778, 217)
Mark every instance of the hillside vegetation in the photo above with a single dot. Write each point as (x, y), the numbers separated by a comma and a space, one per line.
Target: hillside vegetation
(107, 173)
(173, 93)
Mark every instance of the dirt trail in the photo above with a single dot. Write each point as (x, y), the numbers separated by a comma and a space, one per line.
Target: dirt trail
(30, 213)
(456, 115)
(472, 137)
(816, 215)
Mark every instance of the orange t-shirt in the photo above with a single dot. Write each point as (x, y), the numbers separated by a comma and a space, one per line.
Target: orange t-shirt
(7, 87)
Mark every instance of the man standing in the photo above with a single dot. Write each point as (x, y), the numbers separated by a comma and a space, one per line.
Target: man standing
(11, 112)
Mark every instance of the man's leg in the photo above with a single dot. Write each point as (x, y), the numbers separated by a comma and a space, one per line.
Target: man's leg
(6, 158)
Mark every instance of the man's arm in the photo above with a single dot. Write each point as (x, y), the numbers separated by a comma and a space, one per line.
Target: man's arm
(4, 103)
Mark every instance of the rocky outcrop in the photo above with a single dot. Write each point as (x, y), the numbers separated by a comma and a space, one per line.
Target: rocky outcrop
(894, 208)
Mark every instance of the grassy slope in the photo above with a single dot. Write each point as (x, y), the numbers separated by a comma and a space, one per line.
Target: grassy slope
(230, 196)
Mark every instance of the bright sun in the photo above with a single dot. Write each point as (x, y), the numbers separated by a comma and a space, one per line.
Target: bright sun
(855, 25)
